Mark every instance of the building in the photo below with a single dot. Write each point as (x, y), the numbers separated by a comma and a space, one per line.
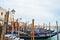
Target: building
(2, 16)
(11, 18)
(22, 25)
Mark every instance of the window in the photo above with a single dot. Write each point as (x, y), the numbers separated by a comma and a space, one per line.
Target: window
(1, 13)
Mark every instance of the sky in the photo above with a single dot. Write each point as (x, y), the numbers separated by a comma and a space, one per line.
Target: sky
(43, 11)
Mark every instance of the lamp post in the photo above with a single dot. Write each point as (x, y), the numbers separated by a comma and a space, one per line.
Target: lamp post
(13, 11)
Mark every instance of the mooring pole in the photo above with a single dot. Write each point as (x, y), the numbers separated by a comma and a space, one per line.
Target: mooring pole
(49, 31)
(43, 26)
(32, 29)
(57, 30)
(18, 32)
(12, 29)
(46, 26)
(18, 28)
(2, 35)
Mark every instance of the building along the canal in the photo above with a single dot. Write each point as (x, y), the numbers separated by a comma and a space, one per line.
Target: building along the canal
(2, 17)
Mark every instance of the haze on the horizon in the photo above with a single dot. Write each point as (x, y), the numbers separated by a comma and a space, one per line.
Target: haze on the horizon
(43, 11)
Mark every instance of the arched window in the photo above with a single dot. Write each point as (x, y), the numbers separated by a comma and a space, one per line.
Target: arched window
(1, 13)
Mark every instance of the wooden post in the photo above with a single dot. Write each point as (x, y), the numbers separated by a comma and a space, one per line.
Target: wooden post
(43, 26)
(57, 30)
(46, 26)
(32, 29)
(12, 29)
(49, 30)
(19, 32)
(17, 25)
(2, 35)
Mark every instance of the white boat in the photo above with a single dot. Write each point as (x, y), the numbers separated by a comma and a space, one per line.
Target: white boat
(12, 37)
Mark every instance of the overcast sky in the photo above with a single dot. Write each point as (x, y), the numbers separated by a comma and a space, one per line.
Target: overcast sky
(43, 11)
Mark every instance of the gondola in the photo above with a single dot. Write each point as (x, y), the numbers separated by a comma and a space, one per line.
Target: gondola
(38, 33)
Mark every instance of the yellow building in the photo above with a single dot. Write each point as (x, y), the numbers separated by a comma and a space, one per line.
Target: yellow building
(2, 16)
